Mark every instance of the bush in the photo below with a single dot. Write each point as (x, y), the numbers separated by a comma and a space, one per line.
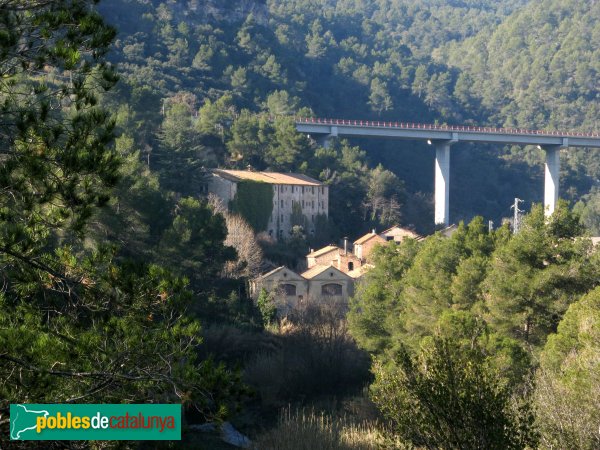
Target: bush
(307, 430)
(315, 356)
(447, 397)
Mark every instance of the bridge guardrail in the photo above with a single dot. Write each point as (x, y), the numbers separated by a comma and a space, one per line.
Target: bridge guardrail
(433, 127)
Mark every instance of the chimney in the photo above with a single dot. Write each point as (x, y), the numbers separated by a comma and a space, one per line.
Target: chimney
(345, 246)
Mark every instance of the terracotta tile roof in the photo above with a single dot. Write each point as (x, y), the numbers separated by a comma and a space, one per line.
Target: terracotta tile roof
(265, 275)
(319, 269)
(268, 177)
(323, 251)
(397, 230)
(368, 237)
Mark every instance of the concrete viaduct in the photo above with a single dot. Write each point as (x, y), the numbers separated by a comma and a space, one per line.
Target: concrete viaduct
(443, 136)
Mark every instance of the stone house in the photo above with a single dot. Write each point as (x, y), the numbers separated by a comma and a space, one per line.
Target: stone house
(292, 194)
(335, 256)
(364, 245)
(327, 283)
(318, 285)
(398, 234)
(288, 288)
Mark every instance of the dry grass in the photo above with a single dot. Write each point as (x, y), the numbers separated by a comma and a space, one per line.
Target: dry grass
(307, 430)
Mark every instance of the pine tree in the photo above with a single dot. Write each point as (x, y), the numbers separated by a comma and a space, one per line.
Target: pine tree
(80, 323)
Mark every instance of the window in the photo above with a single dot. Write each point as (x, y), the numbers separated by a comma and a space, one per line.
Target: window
(312, 190)
(313, 204)
(312, 217)
(288, 289)
(302, 203)
(293, 188)
(331, 289)
(282, 217)
(303, 189)
(282, 203)
(350, 266)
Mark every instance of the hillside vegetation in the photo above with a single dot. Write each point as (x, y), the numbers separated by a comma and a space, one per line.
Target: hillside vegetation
(123, 282)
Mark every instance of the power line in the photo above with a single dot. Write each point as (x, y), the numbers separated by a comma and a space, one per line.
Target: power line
(517, 215)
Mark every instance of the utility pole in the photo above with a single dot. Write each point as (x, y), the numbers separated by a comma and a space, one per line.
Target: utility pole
(517, 217)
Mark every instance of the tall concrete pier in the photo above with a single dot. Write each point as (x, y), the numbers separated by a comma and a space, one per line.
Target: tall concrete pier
(442, 183)
(551, 178)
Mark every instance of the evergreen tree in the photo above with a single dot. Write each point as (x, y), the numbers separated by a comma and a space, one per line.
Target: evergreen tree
(80, 324)
(537, 274)
(447, 397)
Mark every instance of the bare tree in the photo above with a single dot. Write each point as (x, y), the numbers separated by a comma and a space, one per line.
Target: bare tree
(240, 236)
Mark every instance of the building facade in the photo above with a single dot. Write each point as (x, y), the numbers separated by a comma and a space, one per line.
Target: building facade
(398, 234)
(364, 245)
(331, 255)
(295, 196)
(321, 285)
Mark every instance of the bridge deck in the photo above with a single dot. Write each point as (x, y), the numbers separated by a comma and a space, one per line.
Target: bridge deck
(401, 130)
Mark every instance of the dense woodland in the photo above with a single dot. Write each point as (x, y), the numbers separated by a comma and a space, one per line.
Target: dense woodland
(122, 282)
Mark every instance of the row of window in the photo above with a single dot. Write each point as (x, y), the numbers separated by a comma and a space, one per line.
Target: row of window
(284, 188)
(280, 233)
(327, 290)
(312, 218)
(306, 204)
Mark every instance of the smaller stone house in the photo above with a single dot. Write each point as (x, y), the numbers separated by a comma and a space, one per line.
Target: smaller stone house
(332, 255)
(364, 245)
(449, 231)
(323, 256)
(398, 234)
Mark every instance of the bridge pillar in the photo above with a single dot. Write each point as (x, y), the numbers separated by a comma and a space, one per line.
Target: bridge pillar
(442, 183)
(552, 175)
(325, 140)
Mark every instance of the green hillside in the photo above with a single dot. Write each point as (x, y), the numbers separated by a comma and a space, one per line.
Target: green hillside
(122, 282)
(376, 59)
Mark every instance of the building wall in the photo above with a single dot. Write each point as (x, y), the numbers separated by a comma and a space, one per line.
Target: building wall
(363, 250)
(323, 260)
(273, 285)
(307, 290)
(313, 200)
(315, 293)
(367, 247)
(222, 188)
(347, 262)
(398, 234)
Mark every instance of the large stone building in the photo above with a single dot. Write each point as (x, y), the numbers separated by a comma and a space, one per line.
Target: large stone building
(292, 194)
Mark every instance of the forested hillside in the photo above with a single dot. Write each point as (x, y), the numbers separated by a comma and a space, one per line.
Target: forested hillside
(332, 59)
(122, 282)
